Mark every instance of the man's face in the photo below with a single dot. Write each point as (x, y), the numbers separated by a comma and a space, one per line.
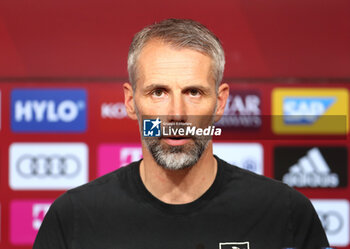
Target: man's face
(176, 84)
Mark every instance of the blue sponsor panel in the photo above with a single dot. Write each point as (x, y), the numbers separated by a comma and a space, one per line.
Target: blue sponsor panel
(48, 110)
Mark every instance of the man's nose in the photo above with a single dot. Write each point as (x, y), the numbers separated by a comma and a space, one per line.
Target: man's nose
(177, 109)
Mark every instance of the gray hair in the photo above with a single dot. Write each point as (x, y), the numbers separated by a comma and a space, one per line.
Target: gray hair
(180, 33)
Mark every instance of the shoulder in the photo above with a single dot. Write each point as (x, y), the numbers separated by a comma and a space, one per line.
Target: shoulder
(115, 177)
(248, 180)
(114, 183)
(269, 198)
(261, 188)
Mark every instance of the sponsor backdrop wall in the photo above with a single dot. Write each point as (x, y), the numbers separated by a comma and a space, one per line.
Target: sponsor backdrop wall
(55, 136)
(63, 122)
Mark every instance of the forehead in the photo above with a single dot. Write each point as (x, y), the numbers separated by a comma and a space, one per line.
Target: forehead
(160, 62)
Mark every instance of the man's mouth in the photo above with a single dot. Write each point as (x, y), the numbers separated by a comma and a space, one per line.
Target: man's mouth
(176, 140)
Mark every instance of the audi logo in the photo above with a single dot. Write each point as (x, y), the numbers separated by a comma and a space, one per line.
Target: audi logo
(332, 221)
(48, 166)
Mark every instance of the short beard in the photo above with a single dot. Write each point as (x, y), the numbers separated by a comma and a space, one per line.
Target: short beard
(176, 157)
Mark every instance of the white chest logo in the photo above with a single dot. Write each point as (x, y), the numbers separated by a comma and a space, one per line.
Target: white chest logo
(234, 245)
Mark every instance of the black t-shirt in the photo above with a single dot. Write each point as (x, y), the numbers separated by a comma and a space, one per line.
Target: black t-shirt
(240, 210)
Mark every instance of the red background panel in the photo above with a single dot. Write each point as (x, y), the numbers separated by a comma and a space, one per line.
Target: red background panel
(84, 44)
(90, 38)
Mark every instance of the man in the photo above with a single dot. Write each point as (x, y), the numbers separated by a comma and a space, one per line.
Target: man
(179, 196)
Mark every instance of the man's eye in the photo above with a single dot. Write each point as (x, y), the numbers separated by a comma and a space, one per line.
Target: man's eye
(158, 92)
(194, 92)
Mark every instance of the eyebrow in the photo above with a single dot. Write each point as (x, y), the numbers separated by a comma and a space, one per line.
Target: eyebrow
(155, 86)
(164, 86)
(200, 87)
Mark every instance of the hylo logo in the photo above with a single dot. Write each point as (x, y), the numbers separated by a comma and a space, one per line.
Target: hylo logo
(38, 111)
(48, 110)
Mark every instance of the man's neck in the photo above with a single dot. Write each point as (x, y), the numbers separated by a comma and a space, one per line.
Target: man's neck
(179, 186)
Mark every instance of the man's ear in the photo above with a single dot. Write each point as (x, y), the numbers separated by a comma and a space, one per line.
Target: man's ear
(129, 101)
(223, 93)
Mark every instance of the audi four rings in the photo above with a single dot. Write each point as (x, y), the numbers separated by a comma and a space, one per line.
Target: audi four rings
(48, 166)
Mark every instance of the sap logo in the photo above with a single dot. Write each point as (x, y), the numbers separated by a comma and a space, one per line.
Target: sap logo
(48, 110)
(113, 111)
(305, 110)
(310, 110)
